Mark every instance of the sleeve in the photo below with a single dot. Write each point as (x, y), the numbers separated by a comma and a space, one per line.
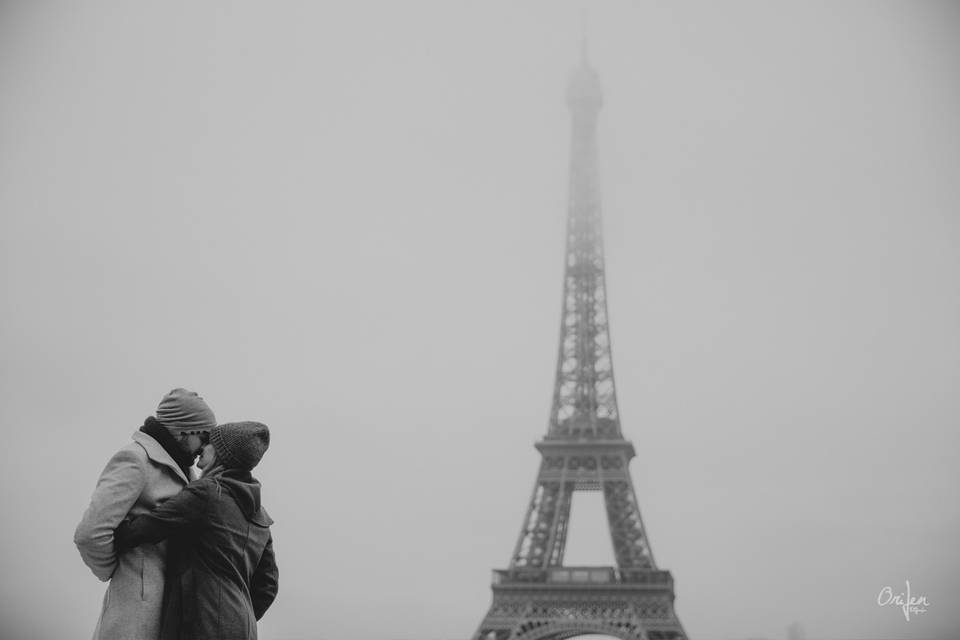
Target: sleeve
(118, 488)
(178, 514)
(263, 586)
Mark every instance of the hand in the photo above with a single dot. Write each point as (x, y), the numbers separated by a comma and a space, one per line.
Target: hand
(121, 537)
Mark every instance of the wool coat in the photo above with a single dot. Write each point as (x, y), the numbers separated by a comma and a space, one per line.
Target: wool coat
(222, 574)
(136, 479)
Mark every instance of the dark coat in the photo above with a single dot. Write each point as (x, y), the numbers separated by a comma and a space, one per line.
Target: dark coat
(221, 571)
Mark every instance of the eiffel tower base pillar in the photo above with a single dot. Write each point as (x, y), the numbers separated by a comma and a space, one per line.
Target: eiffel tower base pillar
(560, 603)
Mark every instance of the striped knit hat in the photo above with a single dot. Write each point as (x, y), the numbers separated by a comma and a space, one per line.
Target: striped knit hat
(240, 445)
(183, 411)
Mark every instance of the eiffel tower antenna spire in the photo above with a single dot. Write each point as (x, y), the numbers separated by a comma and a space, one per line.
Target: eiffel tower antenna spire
(538, 597)
(583, 37)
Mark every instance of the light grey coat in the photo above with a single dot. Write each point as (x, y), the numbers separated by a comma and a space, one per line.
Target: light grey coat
(135, 480)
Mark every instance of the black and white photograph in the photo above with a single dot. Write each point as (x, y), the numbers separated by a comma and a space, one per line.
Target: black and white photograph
(426, 320)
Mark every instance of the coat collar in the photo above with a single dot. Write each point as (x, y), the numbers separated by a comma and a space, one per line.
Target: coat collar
(158, 454)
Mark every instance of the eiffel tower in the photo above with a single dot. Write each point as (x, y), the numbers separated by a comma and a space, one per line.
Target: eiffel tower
(538, 597)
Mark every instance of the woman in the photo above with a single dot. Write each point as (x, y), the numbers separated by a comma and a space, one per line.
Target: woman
(221, 572)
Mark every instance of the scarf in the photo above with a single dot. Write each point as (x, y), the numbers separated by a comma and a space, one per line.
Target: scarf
(158, 432)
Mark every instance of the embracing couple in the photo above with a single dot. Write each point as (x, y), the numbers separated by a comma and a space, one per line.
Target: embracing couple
(186, 557)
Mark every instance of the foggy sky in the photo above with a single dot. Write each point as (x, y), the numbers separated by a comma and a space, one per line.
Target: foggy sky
(347, 220)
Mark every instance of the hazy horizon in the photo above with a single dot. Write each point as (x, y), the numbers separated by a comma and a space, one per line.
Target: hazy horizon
(347, 220)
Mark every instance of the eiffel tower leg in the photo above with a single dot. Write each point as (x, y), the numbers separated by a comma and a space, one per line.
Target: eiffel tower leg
(561, 524)
(630, 544)
(543, 536)
(536, 533)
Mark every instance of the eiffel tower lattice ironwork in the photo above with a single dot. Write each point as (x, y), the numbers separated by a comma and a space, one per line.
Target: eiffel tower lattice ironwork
(537, 597)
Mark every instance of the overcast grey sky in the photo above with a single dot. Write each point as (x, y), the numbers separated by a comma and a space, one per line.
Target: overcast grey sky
(346, 220)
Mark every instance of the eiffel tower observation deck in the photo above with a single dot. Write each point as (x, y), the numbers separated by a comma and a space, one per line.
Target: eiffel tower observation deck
(537, 597)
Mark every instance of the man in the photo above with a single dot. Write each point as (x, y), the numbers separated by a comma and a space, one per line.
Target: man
(152, 468)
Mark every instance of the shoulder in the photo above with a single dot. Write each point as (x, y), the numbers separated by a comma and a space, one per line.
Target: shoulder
(131, 455)
(133, 448)
(126, 471)
(262, 518)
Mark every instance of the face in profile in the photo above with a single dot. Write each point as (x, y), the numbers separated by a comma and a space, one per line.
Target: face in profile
(207, 456)
(193, 442)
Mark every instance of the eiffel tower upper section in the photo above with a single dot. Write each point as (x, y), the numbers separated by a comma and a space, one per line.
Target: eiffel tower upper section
(585, 398)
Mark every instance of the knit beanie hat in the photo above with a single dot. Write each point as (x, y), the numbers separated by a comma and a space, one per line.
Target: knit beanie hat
(183, 411)
(240, 445)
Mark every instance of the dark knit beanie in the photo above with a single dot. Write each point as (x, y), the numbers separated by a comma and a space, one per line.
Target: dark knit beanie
(183, 411)
(240, 445)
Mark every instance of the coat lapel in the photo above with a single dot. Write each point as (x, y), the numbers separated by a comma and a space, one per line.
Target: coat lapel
(158, 454)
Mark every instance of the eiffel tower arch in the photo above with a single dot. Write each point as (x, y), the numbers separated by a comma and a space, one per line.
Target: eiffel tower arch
(537, 597)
